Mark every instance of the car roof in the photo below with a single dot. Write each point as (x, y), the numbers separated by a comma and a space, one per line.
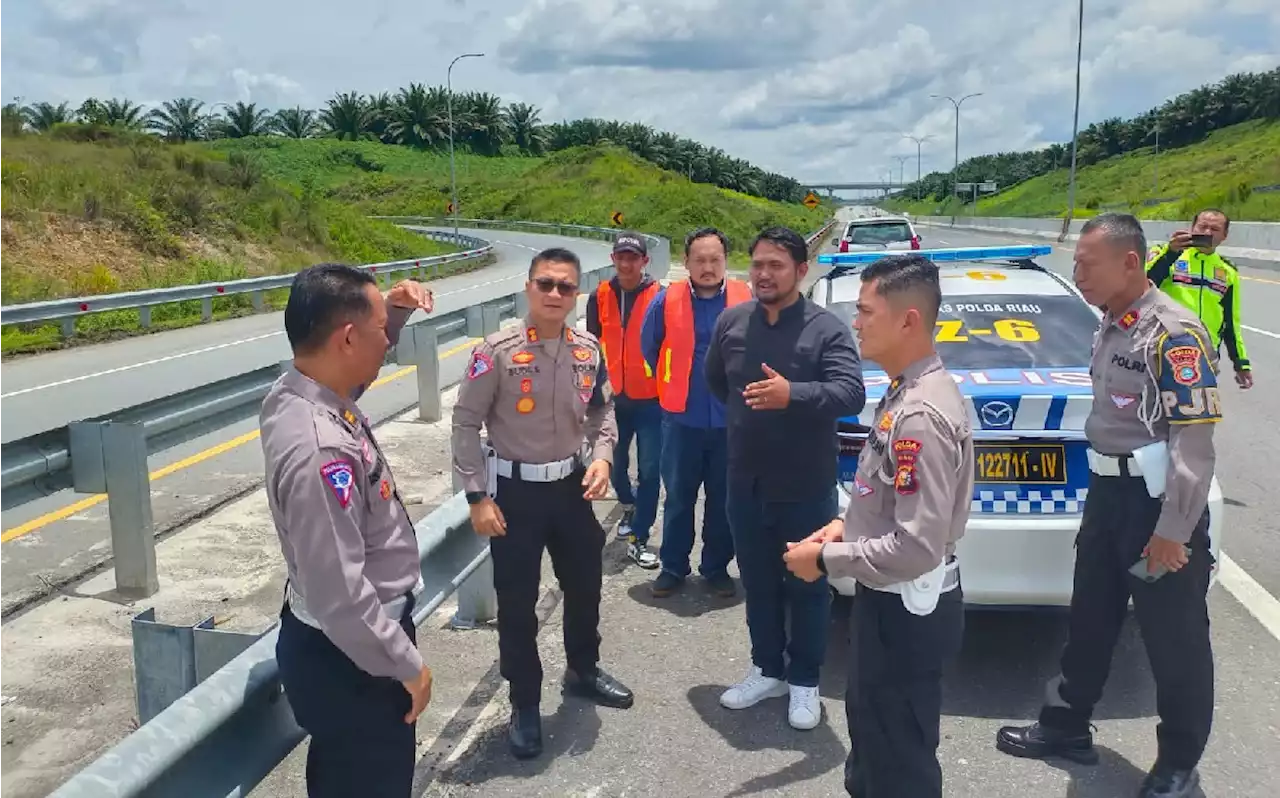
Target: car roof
(878, 220)
(968, 278)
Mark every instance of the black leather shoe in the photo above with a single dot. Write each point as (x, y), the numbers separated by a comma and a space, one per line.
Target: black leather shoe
(525, 733)
(1171, 784)
(1036, 742)
(601, 688)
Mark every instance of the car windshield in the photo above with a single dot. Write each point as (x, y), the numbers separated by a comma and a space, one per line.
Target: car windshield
(879, 233)
(1007, 331)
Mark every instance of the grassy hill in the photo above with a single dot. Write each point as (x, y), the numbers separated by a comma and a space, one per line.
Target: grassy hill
(1217, 171)
(581, 185)
(88, 210)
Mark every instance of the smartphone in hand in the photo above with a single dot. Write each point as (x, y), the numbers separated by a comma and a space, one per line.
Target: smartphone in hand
(1139, 568)
(1201, 240)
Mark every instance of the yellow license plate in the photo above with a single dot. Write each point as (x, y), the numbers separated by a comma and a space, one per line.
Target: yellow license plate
(1029, 463)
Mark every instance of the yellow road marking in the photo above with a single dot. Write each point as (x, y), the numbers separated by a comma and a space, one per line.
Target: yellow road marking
(1260, 280)
(199, 457)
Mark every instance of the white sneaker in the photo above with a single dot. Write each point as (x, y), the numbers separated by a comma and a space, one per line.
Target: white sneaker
(806, 707)
(752, 690)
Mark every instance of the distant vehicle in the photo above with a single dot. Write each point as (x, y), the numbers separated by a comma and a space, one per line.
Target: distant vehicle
(1018, 340)
(879, 233)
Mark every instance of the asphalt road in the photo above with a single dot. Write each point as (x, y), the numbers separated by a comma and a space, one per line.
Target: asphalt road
(53, 540)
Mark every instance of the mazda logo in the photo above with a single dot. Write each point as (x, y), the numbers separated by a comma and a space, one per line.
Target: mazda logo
(997, 414)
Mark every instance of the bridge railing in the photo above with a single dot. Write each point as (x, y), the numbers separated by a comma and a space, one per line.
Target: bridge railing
(215, 720)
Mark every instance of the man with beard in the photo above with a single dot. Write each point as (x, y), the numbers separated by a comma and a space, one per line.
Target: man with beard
(677, 332)
(787, 370)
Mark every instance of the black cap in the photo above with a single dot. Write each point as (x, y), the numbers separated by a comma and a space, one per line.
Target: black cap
(630, 242)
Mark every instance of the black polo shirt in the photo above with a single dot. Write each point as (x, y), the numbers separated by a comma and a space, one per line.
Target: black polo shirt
(791, 454)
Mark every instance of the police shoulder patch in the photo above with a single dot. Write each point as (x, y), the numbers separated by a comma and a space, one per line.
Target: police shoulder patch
(340, 478)
(1188, 383)
(481, 364)
(906, 481)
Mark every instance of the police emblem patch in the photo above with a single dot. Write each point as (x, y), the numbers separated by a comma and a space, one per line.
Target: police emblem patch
(905, 481)
(522, 357)
(340, 477)
(1185, 361)
(480, 365)
(525, 405)
(585, 395)
(526, 385)
(581, 353)
(861, 484)
(1123, 400)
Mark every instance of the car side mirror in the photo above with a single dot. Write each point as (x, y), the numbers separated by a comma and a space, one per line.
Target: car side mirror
(835, 242)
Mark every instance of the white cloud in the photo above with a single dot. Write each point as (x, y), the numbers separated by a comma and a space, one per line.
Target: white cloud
(817, 89)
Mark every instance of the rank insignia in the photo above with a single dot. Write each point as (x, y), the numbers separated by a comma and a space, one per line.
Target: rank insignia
(349, 417)
(886, 422)
(385, 490)
(1186, 364)
(532, 334)
(480, 365)
(1129, 319)
(340, 477)
(525, 404)
(522, 357)
(581, 353)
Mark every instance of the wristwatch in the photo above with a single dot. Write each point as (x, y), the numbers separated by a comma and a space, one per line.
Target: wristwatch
(475, 496)
(822, 565)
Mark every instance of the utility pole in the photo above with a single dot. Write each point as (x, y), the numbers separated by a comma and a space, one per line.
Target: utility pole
(1155, 165)
(453, 173)
(1075, 129)
(955, 172)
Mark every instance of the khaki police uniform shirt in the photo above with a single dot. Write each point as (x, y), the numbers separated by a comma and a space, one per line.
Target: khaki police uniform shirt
(1155, 379)
(539, 400)
(914, 484)
(346, 538)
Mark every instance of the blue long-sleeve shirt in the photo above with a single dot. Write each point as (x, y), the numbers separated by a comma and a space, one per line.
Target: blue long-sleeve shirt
(702, 410)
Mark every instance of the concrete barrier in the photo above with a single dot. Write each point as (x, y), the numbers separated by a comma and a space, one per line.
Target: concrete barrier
(1255, 244)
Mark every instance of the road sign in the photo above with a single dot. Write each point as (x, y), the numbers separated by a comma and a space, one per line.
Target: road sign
(964, 187)
(987, 188)
(616, 217)
(811, 200)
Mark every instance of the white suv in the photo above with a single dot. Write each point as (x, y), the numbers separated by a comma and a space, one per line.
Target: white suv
(889, 233)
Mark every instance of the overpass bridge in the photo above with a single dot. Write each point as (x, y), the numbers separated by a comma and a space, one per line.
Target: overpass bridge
(831, 188)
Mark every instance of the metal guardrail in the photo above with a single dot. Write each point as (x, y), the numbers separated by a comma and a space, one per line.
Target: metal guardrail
(214, 718)
(68, 310)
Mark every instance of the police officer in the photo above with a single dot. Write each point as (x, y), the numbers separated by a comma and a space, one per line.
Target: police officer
(1190, 269)
(913, 487)
(1145, 528)
(347, 648)
(542, 391)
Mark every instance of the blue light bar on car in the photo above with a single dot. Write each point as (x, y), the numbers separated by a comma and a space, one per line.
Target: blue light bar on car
(940, 255)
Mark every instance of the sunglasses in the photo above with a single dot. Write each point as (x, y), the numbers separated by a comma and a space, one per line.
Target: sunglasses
(546, 285)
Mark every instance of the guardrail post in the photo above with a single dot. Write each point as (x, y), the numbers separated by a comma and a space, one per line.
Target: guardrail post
(259, 301)
(522, 304)
(477, 599)
(133, 541)
(490, 318)
(475, 321)
(144, 317)
(69, 327)
(426, 356)
(206, 309)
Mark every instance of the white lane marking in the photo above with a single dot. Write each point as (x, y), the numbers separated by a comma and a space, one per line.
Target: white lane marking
(1255, 598)
(1260, 332)
(251, 339)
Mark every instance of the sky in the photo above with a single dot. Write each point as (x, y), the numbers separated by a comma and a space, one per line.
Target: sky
(824, 90)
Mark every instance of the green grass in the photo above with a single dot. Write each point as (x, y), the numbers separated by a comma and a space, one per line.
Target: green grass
(1215, 172)
(583, 185)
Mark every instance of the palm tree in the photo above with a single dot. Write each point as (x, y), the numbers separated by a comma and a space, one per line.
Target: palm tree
(527, 130)
(483, 121)
(348, 117)
(179, 120)
(42, 116)
(242, 121)
(295, 123)
(418, 117)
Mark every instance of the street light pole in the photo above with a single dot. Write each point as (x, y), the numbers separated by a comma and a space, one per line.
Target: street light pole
(1075, 129)
(453, 173)
(918, 140)
(955, 172)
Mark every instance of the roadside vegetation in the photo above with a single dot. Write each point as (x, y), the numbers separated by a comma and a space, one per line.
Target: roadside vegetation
(1219, 145)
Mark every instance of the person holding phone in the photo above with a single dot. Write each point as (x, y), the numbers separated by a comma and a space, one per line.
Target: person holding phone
(1152, 457)
(1190, 269)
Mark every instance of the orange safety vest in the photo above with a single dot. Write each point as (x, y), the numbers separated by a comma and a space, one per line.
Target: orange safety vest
(676, 354)
(629, 374)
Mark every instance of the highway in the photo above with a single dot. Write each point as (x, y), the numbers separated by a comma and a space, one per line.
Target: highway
(49, 542)
(678, 654)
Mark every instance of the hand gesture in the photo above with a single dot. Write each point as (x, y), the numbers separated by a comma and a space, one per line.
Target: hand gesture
(772, 393)
(833, 532)
(802, 559)
(596, 480)
(419, 689)
(1244, 378)
(411, 294)
(1162, 551)
(1180, 240)
(487, 519)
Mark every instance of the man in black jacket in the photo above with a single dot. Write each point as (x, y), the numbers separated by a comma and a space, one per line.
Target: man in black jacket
(787, 371)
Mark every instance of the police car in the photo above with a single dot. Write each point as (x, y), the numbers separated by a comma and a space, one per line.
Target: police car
(1017, 338)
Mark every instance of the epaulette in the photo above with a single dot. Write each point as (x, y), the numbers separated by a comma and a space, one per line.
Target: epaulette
(506, 336)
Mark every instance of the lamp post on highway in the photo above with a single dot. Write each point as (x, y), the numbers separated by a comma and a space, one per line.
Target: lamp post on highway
(955, 172)
(1075, 129)
(453, 174)
(918, 140)
(902, 165)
